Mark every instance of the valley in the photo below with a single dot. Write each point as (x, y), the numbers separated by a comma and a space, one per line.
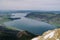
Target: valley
(26, 25)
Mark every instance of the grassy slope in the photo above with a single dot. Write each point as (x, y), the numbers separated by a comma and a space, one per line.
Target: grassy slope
(4, 19)
(50, 18)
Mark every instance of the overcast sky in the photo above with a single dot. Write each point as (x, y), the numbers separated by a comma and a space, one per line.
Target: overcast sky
(29, 4)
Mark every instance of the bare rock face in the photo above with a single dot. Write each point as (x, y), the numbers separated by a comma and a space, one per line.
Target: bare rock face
(49, 35)
(25, 35)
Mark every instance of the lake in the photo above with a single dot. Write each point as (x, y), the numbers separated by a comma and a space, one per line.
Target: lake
(33, 26)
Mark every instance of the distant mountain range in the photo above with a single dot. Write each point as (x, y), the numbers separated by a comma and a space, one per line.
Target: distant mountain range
(24, 11)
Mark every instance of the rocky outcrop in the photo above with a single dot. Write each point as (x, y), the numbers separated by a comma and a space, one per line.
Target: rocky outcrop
(49, 35)
(25, 35)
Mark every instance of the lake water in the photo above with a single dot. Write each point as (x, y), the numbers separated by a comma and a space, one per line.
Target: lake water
(33, 26)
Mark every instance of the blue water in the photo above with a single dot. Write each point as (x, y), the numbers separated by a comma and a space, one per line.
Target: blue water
(33, 26)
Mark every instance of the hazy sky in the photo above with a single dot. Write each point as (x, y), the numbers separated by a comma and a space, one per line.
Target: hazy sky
(29, 4)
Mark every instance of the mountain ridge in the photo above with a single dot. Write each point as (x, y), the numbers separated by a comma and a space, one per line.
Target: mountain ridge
(49, 35)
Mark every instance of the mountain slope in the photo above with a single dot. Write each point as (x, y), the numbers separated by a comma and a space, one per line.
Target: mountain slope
(49, 17)
(11, 34)
(49, 35)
